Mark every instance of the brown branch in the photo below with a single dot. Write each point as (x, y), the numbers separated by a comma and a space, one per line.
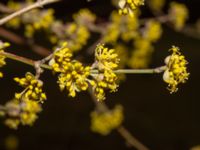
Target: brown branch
(5, 9)
(37, 4)
(23, 60)
(22, 41)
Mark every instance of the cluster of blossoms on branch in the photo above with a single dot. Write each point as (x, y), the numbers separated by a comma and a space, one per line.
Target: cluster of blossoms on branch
(74, 77)
(123, 32)
(25, 106)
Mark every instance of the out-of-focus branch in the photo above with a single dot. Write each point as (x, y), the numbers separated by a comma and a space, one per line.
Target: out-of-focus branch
(24, 60)
(21, 41)
(129, 138)
(37, 4)
(5, 9)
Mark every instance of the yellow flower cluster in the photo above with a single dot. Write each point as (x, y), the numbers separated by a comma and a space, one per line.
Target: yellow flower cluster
(75, 77)
(21, 112)
(33, 21)
(61, 58)
(124, 27)
(33, 88)
(178, 14)
(128, 6)
(104, 122)
(72, 74)
(78, 36)
(84, 16)
(37, 20)
(143, 48)
(176, 71)
(2, 58)
(77, 32)
(152, 31)
(141, 55)
(106, 60)
(15, 22)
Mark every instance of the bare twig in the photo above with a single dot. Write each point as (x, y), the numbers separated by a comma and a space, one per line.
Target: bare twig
(136, 71)
(5, 9)
(37, 4)
(23, 60)
(22, 41)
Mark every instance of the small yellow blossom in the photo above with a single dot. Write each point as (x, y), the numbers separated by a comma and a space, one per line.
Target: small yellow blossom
(178, 14)
(103, 81)
(74, 78)
(152, 31)
(2, 58)
(106, 59)
(124, 27)
(176, 71)
(61, 58)
(104, 122)
(128, 6)
(77, 35)
(33, 88)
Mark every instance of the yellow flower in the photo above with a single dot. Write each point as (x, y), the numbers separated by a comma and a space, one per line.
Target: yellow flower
(176, 71)
(178, 14)
(72, 74)
(84, 16)
(103, 81)
(124, 27)
(74, 78)
(61, 58)
(36, 20)
(2, 58)
(77, 35)
(152, 31)
(104, 122)
(106, 59)
(33, 88)
(128, 6)
(141, 55)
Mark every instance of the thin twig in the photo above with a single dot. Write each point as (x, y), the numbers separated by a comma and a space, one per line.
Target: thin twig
(130, 139)
(5, 9)
(23, 60)
(136, 71)
(45, 66)
(22, 41)
(38, 4)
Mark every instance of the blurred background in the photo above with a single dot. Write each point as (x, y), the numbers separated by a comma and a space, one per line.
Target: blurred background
(161, 121)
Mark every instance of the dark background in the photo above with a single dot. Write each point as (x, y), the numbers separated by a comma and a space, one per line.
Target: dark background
(160, 120)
